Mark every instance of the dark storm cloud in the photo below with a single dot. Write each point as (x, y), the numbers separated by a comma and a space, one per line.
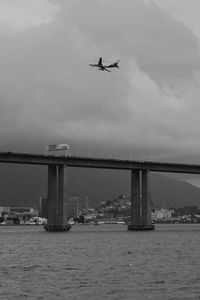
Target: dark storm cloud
(161, 45)
(49, 93)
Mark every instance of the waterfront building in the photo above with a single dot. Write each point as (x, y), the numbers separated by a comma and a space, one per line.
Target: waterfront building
(161, 213)
(22, 210)
(103, 203)
(22, 213)
(15, 215)
(4, 210)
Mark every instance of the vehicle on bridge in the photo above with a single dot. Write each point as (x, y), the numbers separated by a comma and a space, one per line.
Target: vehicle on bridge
(58, 150)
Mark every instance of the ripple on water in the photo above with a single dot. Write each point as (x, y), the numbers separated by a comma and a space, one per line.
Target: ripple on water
(100, 262)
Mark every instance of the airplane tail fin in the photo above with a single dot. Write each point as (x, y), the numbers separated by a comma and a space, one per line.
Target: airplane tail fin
(100, 62)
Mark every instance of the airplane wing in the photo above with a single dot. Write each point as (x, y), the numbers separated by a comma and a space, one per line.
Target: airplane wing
(107, 70)
(110, 66)
(114, 65)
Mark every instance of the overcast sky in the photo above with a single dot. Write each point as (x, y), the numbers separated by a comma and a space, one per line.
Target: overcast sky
(149, 108)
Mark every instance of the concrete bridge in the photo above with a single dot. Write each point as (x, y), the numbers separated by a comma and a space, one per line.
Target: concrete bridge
(140, 200)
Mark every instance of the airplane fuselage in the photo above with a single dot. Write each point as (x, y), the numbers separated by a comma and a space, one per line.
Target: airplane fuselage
(102, 67)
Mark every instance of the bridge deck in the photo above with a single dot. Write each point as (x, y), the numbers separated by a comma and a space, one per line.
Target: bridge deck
(87, 162)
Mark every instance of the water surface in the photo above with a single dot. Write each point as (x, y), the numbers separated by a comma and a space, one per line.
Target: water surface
(100, 262)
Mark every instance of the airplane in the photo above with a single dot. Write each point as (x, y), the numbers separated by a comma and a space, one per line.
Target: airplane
(102, 67)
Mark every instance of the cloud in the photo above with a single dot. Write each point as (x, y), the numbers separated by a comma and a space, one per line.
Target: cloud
(49, 93)
(23, 14)
(183, 10)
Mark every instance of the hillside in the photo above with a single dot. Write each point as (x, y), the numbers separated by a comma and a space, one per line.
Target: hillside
(173, 193)
(108, 184)
(23, 185)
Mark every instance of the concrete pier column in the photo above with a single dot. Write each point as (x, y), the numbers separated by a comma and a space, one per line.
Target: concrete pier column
(140, 201)
(55, 199)
(60, 218)
(52, 194)
(135, 200)
(135, 197)
(146, 205)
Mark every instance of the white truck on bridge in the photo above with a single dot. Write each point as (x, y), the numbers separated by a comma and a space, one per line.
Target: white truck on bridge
(58, 150)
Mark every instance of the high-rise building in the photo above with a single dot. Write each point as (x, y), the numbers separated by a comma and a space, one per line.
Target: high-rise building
(72, 206)
(83, 204)
(76, 206)
(43, 207)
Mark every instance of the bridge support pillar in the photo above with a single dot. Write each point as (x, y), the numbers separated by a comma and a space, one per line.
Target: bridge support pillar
(140, 201)
(55, 199)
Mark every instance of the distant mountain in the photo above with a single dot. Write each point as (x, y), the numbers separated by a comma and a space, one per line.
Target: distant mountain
(108, 184)
(173, 193)
(23, 185)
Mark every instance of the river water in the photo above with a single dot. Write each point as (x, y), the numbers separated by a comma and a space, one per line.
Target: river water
(100, 262)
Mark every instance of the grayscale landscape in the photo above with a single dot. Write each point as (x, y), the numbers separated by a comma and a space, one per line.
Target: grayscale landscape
(99, 149)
